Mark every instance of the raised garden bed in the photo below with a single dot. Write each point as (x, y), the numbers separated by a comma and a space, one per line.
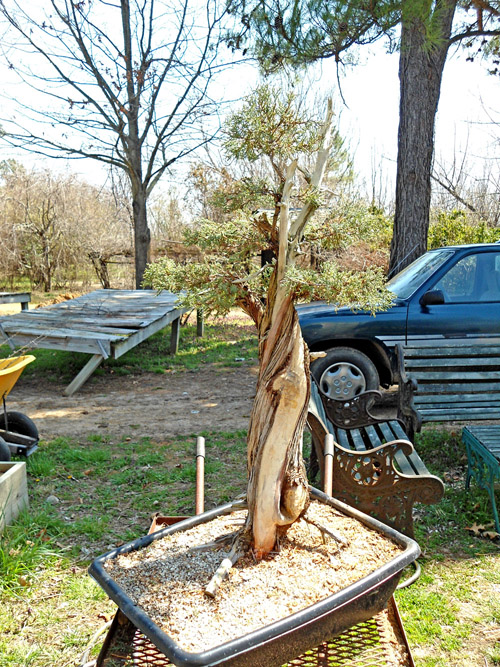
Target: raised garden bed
(13, 491)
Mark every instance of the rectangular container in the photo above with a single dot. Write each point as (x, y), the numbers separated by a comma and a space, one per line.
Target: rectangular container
(275, 644)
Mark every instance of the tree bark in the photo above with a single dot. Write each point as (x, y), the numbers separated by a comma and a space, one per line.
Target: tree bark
(142, 234)
(421, 63)
(277, 488)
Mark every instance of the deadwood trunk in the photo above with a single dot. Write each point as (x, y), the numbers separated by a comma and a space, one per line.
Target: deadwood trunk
(421, 64)
(277, 487)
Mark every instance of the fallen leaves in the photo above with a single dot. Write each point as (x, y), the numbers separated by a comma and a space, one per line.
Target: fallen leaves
(479, 530)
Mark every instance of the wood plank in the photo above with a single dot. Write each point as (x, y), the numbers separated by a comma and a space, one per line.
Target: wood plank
(444, 349)
(458, 375)
(15, 297)
(357, 440)
(70, 324)
(83, 375)
(414, 366)
(341, 436)
(143, 334)
(13, 491)
(63, 344)
(462, 389)
(457, 415)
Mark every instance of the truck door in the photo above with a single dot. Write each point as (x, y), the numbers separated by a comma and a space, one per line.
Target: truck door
(471, 307)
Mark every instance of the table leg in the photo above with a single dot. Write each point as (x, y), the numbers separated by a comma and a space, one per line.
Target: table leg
(84, 374)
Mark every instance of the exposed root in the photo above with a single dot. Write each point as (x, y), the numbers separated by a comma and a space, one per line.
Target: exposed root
(325, 531)
(238, 549)
(217, 543)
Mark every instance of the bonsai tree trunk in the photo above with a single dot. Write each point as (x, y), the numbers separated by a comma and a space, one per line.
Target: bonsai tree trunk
(277, 486)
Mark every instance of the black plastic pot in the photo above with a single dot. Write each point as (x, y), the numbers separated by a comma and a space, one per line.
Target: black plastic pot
(275, 644)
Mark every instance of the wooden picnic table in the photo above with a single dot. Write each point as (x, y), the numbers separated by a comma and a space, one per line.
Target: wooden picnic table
(16, 297)
(104, 323)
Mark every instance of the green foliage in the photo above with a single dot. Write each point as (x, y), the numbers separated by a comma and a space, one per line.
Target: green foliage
(270, 123)
(361, 289)
(455, 229)
(297, 33)
(272, 127)
(349, 223)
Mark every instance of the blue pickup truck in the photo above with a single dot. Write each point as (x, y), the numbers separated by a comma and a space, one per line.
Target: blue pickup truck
(451, 292)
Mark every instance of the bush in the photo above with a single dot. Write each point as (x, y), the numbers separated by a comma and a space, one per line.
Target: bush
(454, 228)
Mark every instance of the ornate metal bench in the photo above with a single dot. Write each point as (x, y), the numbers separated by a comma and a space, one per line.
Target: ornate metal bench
(442, 381)
(376, 468)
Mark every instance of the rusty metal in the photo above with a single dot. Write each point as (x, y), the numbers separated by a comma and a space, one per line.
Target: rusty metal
(378, 642)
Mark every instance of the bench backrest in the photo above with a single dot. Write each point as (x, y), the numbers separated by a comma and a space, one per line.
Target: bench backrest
(449, 381)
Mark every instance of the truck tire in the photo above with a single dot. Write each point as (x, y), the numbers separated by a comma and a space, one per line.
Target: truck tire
(345, 373)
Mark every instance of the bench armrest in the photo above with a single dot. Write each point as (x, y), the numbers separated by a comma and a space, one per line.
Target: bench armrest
(350, 412)
(371, 482)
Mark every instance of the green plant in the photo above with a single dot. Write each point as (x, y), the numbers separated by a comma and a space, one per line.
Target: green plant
(455, 228)
(222, 345)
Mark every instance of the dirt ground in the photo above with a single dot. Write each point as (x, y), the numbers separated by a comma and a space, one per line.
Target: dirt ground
(158, 406)
(149, 405)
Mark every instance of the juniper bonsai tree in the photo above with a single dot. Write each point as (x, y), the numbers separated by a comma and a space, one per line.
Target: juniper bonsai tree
(293, 213)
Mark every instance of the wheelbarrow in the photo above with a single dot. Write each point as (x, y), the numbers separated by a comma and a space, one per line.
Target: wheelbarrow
(18, 433)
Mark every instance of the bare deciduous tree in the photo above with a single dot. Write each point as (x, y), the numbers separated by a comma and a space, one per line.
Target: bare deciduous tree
(124, 83)
(54, 227)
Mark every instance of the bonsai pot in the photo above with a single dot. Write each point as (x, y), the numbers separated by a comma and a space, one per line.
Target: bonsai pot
(283, 640)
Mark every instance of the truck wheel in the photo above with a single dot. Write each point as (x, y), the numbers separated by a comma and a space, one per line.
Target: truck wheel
(345, 373)
(4, 450)
(18, 422)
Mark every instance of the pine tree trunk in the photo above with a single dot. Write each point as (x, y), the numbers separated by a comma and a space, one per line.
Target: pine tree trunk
(421, 64)
(277, 488)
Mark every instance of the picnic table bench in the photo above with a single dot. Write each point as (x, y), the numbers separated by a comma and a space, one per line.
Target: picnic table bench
(455, 381)
(375, 467)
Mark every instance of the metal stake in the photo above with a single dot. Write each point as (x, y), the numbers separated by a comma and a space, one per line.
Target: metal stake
(200, 474)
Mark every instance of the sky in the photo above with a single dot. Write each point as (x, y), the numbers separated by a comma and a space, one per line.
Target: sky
(470, 99)
(369, 119)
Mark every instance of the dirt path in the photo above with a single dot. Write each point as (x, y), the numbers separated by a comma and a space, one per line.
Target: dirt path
(159, 406)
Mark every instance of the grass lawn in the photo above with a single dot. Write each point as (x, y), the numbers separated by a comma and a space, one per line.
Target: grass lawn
(87, 497)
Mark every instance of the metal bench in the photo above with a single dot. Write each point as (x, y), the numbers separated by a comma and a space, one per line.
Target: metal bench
(483, 460)
(375, 467)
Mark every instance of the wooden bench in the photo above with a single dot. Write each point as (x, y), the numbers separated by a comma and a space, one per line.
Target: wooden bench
(444, 381)
(452, 381)
(16, 297)
(375, 467)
